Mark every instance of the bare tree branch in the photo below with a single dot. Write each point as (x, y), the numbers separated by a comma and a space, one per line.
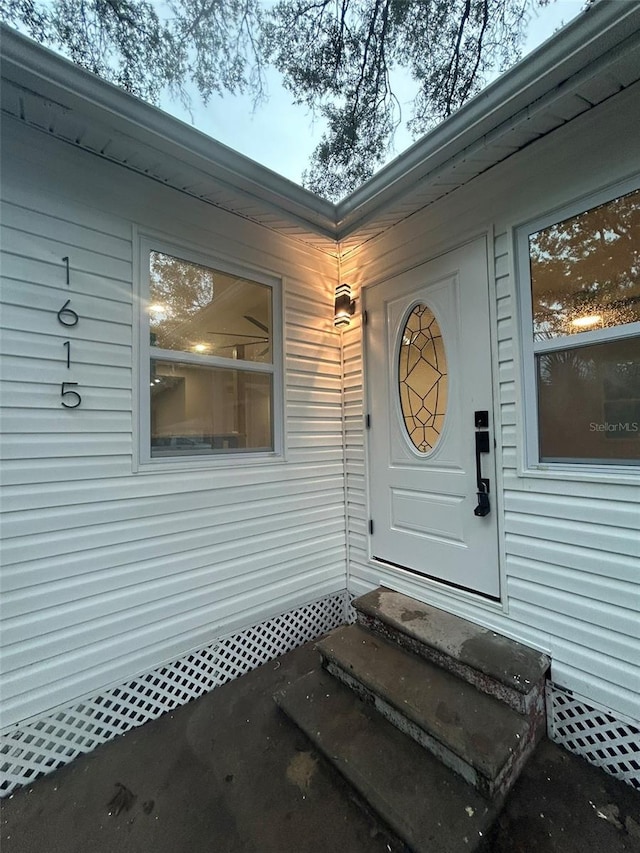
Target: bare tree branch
(338, 57)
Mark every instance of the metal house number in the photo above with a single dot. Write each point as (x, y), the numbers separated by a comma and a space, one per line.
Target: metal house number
(71, 399)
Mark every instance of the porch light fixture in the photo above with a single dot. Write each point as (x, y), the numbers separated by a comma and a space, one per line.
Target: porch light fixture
(344, 306)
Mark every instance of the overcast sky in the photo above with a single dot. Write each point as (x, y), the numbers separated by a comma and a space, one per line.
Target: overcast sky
(282, 136)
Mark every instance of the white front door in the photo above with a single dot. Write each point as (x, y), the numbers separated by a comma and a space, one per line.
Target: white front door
(429, 391)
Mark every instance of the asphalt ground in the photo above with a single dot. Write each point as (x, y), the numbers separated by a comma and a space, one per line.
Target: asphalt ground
(229, 773)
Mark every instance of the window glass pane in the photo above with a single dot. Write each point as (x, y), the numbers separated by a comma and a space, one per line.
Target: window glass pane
(585, 271)
(204, 410)
(589, 403)
(422, 379)
(193, 308)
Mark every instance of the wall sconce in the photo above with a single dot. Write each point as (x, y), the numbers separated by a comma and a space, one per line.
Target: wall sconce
(344, 306)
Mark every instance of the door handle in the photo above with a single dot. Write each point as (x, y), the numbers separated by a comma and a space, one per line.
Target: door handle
(482, 446)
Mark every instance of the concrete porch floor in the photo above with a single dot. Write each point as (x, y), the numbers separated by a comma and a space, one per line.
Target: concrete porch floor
(229, 773)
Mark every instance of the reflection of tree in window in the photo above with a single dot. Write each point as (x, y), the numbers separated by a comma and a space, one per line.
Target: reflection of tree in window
(568, 363)
(178, 291)
(197, 309)
(585, 271)
(211, 370)
(589, 402)
(623, 382)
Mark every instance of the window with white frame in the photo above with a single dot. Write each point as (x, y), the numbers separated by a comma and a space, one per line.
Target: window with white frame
(580, 272)
(210, 340)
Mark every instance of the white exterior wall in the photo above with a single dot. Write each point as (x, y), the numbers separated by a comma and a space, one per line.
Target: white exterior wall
(108, 573)
(570, 572)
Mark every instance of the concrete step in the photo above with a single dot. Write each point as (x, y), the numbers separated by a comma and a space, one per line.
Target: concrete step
(477, 736)
(428, 807)
(494, 664)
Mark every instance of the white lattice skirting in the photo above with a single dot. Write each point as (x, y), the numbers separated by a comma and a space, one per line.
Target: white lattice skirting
(593, 733)
(45, 744)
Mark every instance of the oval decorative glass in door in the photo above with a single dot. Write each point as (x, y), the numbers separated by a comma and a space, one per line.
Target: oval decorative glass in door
(422, 379)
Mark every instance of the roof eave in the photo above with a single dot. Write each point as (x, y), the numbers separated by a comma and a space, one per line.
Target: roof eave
(590, 36)
(55, 77)
(504, 105)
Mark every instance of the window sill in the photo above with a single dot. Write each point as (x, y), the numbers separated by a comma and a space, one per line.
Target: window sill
(614, 474)
(189, 464)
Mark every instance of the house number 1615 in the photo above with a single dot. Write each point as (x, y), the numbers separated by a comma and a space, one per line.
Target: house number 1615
(71, 399)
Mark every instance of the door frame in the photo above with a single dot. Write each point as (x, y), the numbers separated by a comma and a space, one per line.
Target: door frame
(396, 577)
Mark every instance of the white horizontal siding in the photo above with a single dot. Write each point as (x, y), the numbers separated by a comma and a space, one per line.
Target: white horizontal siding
(572, 547)
(571, 529)
(171, 531)
(128, 653)
(571, 573)
(570, 624)
(108, 573)
(269, 500)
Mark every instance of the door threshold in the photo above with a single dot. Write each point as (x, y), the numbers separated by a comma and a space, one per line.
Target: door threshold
(438, 580)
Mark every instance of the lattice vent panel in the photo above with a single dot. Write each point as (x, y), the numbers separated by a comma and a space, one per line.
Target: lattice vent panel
(594, 734)
(43, 745)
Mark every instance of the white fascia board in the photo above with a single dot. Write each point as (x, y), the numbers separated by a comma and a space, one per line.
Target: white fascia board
(602, 28)
(34, 67)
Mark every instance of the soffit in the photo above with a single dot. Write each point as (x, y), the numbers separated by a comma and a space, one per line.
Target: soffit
(592, 59)
(52, 95)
